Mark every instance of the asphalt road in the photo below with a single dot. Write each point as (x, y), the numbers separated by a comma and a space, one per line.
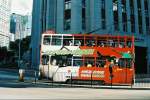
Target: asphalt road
(11, 88)
(72, 93)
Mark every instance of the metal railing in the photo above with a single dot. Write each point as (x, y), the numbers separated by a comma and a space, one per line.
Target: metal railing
(142, 80)
(71, 79)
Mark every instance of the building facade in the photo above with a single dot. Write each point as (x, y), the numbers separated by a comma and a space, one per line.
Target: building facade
(123, 17)
(28, 25)
(20, 25)
(5, 6)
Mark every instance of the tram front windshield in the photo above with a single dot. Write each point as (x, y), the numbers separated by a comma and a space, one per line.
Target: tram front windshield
(125, 63)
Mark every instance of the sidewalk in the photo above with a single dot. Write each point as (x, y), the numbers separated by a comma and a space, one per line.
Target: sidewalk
(134, 87)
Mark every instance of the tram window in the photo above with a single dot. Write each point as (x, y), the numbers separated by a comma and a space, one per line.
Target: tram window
(129, 63)
(125, 63)
(121, 63)
(47, 40)
(122, 44)
(100, 62)
(56, 40)
(78, 41)
(116, 44)
(111, 43)
(129, 44)
(45, 60)
(77, 61)
(68, 41)
(101, 43)
(69, 61)
(89, 62)
(90, 42)
(53, 60)
(61, 61)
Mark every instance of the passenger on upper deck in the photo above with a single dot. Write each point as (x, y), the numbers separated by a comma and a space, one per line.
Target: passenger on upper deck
(46, 42)
(78, 43)
(102, 44)
(90, 43)
(70, 43)
(111, 43)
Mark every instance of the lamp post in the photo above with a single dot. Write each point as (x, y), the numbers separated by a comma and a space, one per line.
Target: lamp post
(20, 63)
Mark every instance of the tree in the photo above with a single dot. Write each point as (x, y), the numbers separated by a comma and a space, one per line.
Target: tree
(3, 53)
(9, 58)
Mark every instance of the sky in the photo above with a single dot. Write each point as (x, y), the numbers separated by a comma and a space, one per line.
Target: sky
(22, 7)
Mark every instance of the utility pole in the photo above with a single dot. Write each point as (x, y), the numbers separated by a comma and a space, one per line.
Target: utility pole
(18, 23)
(21, 70)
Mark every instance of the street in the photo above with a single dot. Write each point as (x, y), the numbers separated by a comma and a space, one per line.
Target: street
(12, 89)
(72, 93)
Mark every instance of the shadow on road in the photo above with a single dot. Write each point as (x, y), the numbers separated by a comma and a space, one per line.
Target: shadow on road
(9, 79)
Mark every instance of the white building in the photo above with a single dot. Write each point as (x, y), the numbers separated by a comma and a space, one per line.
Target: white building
(20, 25)
(5, 6)
(28, 26)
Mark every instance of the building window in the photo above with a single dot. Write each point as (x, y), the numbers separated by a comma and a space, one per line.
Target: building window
(83, 14)
(146, 8)
(103, 24)
(124, 16)
(67, 4)
(147, 25)
(146, 4)
(44, 10)
(139, 7)
(124, 19)
(67, 25)
(124, 6)
(132, 7)
(115, 11)
(83, 3)
(103, 4)
(67, 15)
(132, 23)
(115, 5)
(103, 14)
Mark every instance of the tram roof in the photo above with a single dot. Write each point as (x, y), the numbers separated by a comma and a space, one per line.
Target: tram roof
(52, 32)
(90, 35)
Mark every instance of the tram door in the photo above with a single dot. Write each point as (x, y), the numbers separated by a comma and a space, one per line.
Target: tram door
(45, 65)
(125, 72)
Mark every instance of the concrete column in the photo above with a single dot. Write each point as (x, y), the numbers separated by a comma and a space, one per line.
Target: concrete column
(76, 16)
(88, 14)
(148, 55)
(143, 17)
(36, 33)
(120, 16)
(95, 11)
(109, 16)
(50, 14)
(60, 16)
(43, 15)
(136, 17)
(128, 16)
(149, 14)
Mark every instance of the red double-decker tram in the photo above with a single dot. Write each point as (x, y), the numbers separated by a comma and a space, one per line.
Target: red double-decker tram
(103, 58)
